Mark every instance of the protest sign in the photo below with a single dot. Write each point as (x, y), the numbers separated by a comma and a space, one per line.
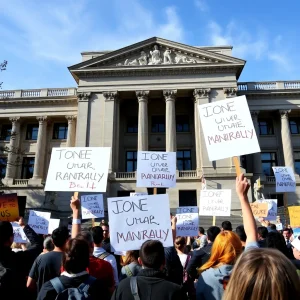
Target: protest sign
(227, 125)
(187, 221)
(39, 221)
(294, 212)
(19, 234)
(78, 169)
(272, 208)
(215, 203)
(279, 226)
(156, 169)
(259, 209)
(92, 206)
(285, 179)
(53, 224)
(9, 208)
(137, 194)
(134, 220)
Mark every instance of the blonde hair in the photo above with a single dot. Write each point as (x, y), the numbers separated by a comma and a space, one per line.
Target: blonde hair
(131, 256)
(263, 274)
(225, 250)
(15, 245)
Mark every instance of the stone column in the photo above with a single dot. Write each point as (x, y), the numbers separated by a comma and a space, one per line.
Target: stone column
(286, 140)
(143, 120)
(40, 151)
(170, 97)
(71, 131)
(257, 166)
(201, 96)
(12, 155)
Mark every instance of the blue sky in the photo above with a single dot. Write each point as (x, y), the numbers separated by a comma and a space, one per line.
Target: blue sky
(40, 39)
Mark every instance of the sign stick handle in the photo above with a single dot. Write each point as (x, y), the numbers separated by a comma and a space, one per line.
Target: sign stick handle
(237, 165)
(286, 213)
(214, 221)
(75, 194)
(154, 191)
(93, 222)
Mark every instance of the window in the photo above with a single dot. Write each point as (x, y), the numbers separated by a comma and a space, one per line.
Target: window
(295, 125)
(182, 124)
(268, 160)
(265, 127)
(124, 193)
(32, 131)
(243, 160)
(184, 161)
(188, 198)
(5, 132)
(131, 158)
(60, 131)
(297, 162)
(158, 190)
(27, 167)
(132, 125)
(158, 124)
(3, 163)
(279, 198)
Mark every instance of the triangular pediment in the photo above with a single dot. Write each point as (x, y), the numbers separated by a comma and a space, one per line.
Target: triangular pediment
(156, 52)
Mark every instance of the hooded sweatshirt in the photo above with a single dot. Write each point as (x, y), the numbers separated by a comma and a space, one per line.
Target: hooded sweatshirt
(210, 283)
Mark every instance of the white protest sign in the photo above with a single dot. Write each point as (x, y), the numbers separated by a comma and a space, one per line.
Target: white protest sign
(134, 220)
(215, 203)
(227, 125)
(285, 179)
(137, 194)
(19, 234)
(39, 221)
(78, 169)
(53, 224)
(187, 221)
(279, 226)
(272, 208)
(156, 169)
(92, 206)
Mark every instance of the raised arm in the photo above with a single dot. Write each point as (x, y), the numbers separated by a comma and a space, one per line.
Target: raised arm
(76, 223)
(174, 221)
(242, 187)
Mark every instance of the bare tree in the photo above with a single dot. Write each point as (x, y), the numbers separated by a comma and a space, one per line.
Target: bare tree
(2, 68)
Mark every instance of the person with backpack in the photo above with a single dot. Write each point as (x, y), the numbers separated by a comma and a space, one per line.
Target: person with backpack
(15, 266)
(150, 283)
(131, 266)
(75, 283)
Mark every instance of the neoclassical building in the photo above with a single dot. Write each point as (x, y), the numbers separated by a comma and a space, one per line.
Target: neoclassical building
(144, 97)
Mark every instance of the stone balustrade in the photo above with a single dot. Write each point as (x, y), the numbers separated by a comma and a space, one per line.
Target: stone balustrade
(270, 179)
(188, 174)
(268, 85)
(20, 182)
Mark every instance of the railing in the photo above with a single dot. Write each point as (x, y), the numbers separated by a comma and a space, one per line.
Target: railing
(268, 85)
(20, 182)
(7, 94)
(187, 174)
(270, 179)
(125, 175)
(57, 92)
(32, 93)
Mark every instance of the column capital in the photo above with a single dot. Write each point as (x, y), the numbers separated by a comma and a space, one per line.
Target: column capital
(142, 95)
(42, 119)
(201, 93)
(170, 95)
(71, 118)
(111, 96)
(83, 97)
(230, 92)
(284, 113)
(14, 119)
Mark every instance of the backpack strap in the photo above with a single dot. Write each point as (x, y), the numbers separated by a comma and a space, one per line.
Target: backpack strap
(58, 286)
(128, 271)
(134, 288)
(84, 287)
(103, 255)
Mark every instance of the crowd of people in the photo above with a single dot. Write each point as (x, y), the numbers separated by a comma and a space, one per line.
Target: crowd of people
(247, 262)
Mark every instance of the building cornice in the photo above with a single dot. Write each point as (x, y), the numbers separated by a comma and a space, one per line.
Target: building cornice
(46, 100)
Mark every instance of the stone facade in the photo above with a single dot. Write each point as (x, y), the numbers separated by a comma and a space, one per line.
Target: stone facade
(145, 97)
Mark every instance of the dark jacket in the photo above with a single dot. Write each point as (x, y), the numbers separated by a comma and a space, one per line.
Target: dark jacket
(152, 285)
(173, 268)
(19, 264)
(199, 258)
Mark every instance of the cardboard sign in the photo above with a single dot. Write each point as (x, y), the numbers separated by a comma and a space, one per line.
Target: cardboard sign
(215, 203)
(279, 226)
(19, 234)
(53, 224)
(156, 169)
(272, 208)
(39, 221)
(227, 125)
(92, 206)
(9, 208)
(78, 169)
(134, 220)
(137, 194)
(259, 209)
(187, 221)
(285, 179)
(294, 212)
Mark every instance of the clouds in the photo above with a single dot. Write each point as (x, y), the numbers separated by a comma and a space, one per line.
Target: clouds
(202, 5)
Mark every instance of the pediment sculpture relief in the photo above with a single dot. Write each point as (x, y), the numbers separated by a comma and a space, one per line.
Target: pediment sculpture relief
(157, 57)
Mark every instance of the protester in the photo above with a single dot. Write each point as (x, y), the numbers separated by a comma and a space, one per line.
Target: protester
(180, 243)
(48, 245)
(201, 241)
(276, 241)
(201, 256)
(14, 267)
(240, 231)
(106, 238)
(48, 266)
(131, 266)
(262, 233)
(16, 247)
(150, 283)
(226, 225)
(287, 234)
(296, 253)
(263, 274)
(75, 263)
